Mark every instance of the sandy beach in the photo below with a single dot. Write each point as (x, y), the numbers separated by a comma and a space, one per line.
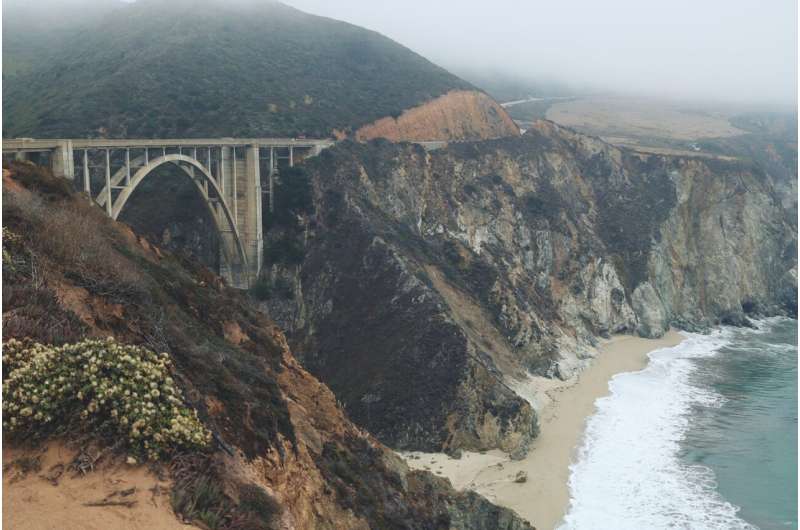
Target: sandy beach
(563, 408)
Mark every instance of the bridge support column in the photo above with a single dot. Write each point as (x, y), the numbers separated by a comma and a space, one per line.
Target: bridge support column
(271, 176)
(109, 201)
(87, 178)
(234, 179)
(224, 174)
(62, 162)
(251, 227)
(127, 167)
(243, 195)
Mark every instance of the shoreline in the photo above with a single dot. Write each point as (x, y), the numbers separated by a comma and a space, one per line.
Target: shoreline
(563, 408)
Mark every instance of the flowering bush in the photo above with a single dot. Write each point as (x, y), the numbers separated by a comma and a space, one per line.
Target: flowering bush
(104, 386)
(9, 239)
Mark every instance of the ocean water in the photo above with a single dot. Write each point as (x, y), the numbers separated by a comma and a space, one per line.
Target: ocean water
(705, 437)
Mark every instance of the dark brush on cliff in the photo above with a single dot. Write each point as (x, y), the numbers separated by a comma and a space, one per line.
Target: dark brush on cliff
(231, 364)
(206, 69)
(64, 248)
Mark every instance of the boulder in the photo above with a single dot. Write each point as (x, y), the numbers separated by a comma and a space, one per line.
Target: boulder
(650, 313)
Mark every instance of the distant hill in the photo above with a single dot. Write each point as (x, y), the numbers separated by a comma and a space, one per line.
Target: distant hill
(505, 86)
(206, 68)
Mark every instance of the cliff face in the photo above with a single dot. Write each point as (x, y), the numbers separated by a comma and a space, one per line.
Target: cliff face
(286, 456)
(457, 115)
(434, 282)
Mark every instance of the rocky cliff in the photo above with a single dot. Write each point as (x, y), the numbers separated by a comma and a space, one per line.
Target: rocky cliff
(285, 456)
(429, 284)
(457, 115)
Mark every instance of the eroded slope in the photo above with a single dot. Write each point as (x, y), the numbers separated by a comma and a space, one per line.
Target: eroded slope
(285, 454)
(429, 282)
(457, 115)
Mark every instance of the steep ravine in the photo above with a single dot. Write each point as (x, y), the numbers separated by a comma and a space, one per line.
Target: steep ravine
(286, 456)
(430, 282)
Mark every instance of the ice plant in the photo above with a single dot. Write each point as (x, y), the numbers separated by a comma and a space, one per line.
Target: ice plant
(105, 386)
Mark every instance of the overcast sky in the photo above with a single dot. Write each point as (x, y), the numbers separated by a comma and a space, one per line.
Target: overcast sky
(731, 50)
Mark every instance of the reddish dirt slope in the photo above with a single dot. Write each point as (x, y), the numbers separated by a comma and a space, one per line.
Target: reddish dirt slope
(457, 115)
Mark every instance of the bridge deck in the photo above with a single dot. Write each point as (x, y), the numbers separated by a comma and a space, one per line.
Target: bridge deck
(37, 144)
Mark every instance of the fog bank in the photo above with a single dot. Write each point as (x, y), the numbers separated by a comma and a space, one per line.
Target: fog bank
(714, 50)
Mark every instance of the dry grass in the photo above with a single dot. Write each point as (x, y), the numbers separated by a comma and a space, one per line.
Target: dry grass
(199, 495)
(71, 232)
(629, 119)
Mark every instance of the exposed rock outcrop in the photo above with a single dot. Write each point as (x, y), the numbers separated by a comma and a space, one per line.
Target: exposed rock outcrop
(652, 319)
(286, 456)
(456, 115)
(431, 279)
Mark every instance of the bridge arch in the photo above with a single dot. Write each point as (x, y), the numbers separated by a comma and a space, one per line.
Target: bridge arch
(238, 180)
(224, 220)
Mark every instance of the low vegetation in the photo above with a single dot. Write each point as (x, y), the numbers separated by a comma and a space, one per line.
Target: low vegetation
(266, 289)
(182, 69)
(55, 324)
(285, 226)
(71, 275)
(99, 386)
(293, 199)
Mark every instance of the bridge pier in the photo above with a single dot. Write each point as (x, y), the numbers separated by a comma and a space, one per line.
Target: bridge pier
(87, 179)
(235, 188)
(61, 162)
(109, 197)
(271, 177)
(252, 225)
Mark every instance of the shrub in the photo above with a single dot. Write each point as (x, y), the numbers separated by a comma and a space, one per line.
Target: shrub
(262, 289)
(77, 237)
(293, 198)
(450, 250)
(284, 288)
(201, 493)
(37, 178)
(103, 386)
(262, 507)
(202, 499)
(265, 289)
(10, 239)
(285, 250)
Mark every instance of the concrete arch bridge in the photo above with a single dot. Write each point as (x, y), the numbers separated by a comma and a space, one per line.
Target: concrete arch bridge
(227, 173)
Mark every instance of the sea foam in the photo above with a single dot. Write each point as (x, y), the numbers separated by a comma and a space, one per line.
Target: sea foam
(628, 473)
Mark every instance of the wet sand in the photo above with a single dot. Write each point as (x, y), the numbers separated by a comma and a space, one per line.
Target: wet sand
(564, 407)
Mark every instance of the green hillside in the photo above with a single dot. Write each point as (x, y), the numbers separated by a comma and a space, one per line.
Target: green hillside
(207, 68)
